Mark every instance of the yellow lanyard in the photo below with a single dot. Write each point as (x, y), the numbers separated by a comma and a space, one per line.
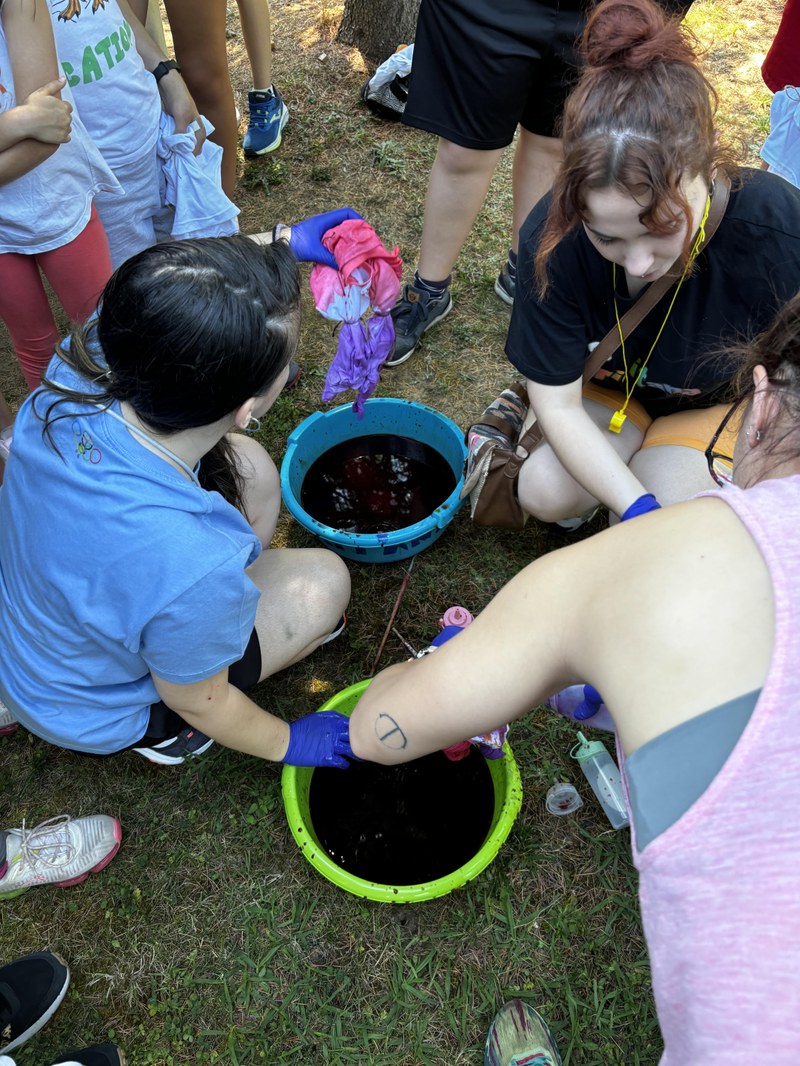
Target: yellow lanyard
(618, 418)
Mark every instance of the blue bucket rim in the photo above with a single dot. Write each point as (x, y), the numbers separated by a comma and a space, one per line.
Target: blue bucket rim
(367, 540)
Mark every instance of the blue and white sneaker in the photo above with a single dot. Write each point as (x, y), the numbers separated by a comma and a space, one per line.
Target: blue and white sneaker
(268, 115)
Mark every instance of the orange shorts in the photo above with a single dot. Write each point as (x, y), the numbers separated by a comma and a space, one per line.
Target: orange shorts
(687, 429)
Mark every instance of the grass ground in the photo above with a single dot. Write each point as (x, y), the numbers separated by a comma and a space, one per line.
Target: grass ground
(209, 939)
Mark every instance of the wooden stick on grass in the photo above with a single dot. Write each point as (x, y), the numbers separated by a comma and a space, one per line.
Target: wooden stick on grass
(393, 615)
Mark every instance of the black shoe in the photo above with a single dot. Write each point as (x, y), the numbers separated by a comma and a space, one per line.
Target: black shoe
(175, 750)
(415, 312)
(506, 285)
(96, 1055)
(31, 990)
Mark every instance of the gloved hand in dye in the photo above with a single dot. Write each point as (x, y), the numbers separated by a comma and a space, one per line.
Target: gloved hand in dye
(320, 739)
(306, 236)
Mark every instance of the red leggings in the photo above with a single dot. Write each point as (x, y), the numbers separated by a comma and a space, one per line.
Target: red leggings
(77, 272)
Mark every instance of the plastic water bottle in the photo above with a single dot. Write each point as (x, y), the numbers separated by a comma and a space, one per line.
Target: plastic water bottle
(603, 775)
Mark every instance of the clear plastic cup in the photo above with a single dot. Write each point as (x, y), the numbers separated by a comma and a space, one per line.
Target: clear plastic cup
(562, 798)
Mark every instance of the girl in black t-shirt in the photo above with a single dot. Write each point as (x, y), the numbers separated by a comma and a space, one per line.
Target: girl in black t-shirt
(641, 154)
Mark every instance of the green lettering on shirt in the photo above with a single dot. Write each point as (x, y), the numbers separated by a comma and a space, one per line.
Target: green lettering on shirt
(72, 77)
(103, 48)
(91, 68)
(118, 53)
(125, 34)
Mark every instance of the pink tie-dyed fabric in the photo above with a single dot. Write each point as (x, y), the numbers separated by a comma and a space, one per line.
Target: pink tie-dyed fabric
(368, 278)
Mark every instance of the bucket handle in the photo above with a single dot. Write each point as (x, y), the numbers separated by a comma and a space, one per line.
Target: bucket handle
(306, 424)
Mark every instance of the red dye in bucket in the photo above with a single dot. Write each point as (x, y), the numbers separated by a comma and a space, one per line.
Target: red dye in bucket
(376, 484)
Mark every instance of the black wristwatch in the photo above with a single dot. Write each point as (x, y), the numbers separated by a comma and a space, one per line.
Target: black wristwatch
(164, 67)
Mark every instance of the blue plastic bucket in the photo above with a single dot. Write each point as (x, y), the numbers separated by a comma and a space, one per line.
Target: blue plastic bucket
(324, 429)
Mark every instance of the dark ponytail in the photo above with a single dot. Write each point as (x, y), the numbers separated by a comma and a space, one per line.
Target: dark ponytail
(185, 333)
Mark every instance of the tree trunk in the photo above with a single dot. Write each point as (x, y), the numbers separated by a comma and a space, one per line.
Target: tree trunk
(377, 29)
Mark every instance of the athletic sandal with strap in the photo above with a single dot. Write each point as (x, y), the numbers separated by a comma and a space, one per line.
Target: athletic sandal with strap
(507, 413)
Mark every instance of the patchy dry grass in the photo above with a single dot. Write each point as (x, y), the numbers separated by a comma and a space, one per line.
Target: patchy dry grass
(209, 939)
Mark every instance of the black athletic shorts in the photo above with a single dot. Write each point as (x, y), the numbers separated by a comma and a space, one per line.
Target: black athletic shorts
(164, 722)
(482, 67)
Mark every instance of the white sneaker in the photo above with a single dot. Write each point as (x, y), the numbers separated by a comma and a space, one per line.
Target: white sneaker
(61, 851)
(8, 723)
(571, 524)
(5, 442)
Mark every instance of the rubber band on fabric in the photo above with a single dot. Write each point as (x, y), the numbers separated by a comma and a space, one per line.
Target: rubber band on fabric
(618, 417)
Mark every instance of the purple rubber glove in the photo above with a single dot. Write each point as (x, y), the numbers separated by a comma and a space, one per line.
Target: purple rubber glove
(645, 503)
(306, 238)
(320, 739)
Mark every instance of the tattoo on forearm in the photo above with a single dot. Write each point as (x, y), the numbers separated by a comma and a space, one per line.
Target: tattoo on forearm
(389, 733)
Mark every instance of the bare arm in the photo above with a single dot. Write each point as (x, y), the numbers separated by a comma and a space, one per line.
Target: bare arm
(139, 9)
(175, 97)
(581, 447)
(667, 616)
(221, 711)
(42, 117)
(29, 36)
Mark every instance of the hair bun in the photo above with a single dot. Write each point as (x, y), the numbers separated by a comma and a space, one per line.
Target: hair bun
(633, 35)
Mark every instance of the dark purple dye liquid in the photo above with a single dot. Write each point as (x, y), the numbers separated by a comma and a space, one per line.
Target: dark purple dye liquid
(403, 825)
(376, 484)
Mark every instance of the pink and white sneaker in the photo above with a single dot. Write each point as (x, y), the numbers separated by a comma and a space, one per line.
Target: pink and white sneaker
(61, 851)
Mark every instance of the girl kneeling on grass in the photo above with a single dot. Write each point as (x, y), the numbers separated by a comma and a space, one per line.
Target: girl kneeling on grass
(688, 621)
(628, 206)
(138, 592)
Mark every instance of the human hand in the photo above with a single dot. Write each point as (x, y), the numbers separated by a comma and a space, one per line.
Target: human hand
(319, 739)
(178, 103)
(306, 236)
(645, 503)
(47, 118)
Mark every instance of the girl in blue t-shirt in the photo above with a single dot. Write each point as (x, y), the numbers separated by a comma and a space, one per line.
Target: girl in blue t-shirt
(156, 597)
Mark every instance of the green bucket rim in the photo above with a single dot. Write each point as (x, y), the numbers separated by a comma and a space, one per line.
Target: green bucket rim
(507, 797)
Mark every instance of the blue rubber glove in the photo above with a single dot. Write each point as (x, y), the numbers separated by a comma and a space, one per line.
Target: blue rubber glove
(306, 237)
(590, 705)
(319, 739)
(645, 503)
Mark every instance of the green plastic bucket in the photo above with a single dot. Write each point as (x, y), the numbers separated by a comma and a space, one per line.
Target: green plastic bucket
(295, 784)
